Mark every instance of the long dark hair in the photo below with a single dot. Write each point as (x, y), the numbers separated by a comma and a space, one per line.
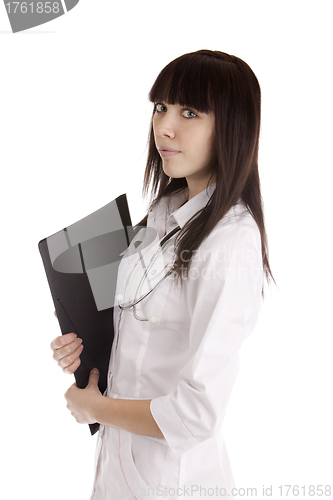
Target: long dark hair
(213, 81)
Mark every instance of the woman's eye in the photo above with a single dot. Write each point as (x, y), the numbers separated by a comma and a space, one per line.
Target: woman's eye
(158, 107)
(189, 111)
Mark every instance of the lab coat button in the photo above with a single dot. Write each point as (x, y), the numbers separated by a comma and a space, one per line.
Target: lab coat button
(153, 271)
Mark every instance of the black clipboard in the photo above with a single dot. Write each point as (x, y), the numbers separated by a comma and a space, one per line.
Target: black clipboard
(81, 264)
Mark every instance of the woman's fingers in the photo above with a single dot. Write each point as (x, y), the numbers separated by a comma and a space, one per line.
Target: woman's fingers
(68, 356)
(73, 367)
(55, 313)
(63, 340)
(66, 351)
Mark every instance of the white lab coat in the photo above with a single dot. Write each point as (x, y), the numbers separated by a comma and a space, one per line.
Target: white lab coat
(186, 361)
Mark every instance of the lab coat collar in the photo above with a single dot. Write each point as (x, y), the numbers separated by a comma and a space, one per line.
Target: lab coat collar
(189, 208)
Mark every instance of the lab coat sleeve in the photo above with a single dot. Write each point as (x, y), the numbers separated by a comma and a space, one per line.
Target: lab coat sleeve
(223, 297)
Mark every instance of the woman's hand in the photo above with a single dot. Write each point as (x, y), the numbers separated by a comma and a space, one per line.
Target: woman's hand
(82, 403)
(66, 351)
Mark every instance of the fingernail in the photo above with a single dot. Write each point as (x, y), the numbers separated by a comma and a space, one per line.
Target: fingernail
(95, 371)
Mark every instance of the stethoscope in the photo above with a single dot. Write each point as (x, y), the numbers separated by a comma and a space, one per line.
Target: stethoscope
(136, 300)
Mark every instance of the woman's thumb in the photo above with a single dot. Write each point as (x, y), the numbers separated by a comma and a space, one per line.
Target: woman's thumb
(93, 374)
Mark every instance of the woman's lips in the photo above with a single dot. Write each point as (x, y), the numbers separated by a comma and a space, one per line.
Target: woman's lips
(165, 153)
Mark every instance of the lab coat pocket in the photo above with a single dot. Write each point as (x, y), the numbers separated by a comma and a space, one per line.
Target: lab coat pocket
(134, 482)
(143, 462)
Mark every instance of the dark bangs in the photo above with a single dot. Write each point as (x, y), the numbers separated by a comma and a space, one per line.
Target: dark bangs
(191, 80)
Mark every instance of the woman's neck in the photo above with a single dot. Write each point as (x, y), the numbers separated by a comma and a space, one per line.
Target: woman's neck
(195, 186)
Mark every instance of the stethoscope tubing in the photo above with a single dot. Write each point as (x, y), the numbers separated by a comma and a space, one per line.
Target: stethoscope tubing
(152, 260)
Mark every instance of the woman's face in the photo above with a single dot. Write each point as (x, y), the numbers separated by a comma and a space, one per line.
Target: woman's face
(192, 135)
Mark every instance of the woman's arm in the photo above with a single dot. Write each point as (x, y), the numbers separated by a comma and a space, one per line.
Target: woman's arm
(223, 300)
(89, 406)
(129, 414)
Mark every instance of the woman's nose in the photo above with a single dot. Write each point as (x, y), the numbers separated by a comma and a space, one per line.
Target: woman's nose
(166, 126)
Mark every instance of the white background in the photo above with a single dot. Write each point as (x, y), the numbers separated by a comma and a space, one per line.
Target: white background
(74, 125)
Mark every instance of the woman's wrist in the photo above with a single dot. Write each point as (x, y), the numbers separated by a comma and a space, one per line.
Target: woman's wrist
(100, 408)
(133, 415)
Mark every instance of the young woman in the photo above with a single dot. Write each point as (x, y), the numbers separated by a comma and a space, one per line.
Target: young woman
(175, 353)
